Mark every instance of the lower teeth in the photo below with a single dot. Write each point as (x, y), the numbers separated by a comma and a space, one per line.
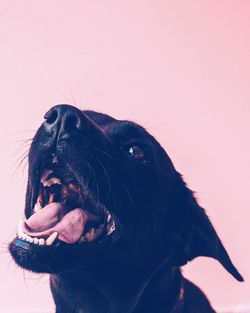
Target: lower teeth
(92, 235)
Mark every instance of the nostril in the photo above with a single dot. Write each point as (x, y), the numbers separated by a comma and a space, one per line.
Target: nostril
(51, 116)
(64, 121)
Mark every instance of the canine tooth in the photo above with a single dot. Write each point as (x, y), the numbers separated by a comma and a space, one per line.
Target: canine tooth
(52, 181)
(51, 197)
(109, 218)
(46, 174)
(36, 240)
(112, 229)
(37, 207)
(51, 239)
(48, 182)
(24, 237)
(41, 242)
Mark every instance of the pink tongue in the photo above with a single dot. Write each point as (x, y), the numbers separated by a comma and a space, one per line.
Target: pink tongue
(54, 218)
(46, 218)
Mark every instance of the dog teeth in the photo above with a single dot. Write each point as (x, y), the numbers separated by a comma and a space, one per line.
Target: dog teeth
(108, 218)
(111, 229)
(51, 197)
(110, 224)
(51, 239)
(51, 181)
(37, 241)
(45, 177)
(41, 242)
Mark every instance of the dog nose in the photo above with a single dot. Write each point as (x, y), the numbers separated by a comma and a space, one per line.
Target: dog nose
(64, 120)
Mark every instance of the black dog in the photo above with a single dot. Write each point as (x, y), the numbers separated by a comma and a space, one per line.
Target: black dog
(109, 217)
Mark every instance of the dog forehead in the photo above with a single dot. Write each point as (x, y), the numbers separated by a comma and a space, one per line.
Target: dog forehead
(99, 118)
(127, 130)
(121, 129)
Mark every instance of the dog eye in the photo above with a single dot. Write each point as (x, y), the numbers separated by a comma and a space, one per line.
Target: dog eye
(136, 153)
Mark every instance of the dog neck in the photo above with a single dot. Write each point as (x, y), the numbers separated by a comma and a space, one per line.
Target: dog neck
(109, 289)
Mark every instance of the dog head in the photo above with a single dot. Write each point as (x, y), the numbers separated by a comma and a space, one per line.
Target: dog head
(101, 188)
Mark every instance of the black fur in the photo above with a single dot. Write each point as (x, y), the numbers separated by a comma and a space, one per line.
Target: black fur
(160, 225)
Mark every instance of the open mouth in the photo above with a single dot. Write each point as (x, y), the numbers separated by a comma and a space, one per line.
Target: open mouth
(63, 213)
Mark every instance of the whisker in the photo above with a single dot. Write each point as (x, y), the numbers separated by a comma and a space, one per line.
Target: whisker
(129, 194)
(106, 174)
(63, 95)
(24, 279)
(149, 120)
(73, 97)
(104, 152)
(21, 142)
(27, 131)
(20, 156)
(24, 158)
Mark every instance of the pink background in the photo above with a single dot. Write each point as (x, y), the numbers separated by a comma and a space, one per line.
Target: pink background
(180, 68)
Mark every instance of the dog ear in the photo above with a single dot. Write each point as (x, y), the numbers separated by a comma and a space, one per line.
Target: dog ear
(197, 236)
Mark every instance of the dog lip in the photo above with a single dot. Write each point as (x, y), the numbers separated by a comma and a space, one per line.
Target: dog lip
(56, 217)
(47, 181)
(104, 221)
(50, 235)
(61, 210)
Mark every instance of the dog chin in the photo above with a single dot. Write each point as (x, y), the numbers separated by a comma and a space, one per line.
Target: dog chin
(35, 258)
(54, 259)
